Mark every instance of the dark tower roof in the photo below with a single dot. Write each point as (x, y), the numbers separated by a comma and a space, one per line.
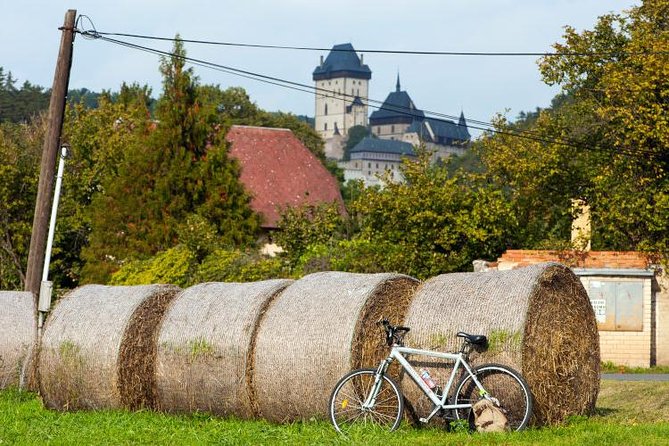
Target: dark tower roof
(398, 108)
(342, 62)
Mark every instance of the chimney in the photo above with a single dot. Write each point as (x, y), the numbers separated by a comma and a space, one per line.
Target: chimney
(362, 59)
(581, 232)
(321, 60)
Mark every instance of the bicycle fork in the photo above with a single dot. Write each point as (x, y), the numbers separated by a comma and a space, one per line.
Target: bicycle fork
(370, 401)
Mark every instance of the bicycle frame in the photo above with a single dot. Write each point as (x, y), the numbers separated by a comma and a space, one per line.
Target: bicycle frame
(398, 353)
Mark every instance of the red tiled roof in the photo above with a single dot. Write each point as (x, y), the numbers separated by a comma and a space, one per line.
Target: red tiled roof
(279, 171)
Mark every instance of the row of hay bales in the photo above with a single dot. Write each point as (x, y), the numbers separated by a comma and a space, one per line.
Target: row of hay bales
(275, 349)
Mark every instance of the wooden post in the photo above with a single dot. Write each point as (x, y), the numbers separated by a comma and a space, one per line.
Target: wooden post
(49, 153)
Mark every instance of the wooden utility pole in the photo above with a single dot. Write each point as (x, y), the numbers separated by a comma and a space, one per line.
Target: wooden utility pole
(49, 153)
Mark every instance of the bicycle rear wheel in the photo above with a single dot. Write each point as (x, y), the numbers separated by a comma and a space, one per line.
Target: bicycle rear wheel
(346, 402)
(502, 383)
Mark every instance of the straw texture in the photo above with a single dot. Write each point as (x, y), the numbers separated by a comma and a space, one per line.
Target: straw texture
(18, 334)
(81, 353)
(538, 320)
(314, 332)
(205, 347)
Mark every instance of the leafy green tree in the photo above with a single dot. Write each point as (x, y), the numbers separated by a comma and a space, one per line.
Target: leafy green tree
(604, 140)
(20, 150)
(355, 135)
(434, 223)
(309, 225)
(180, 170)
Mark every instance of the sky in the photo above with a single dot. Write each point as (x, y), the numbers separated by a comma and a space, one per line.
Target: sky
(481, 87)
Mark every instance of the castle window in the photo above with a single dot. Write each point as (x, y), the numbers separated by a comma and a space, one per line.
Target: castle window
(356, 165)
(326, 109)
(392, 129)
(358, 92)
(325, 126)
(377, 165)
(369, 165)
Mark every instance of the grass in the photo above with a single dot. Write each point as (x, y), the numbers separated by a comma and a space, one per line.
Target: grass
(628, 414)
(609, 367)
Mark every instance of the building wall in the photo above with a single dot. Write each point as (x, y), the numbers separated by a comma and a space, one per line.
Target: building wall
(662, 313)
(644, 348)
(390, 131)
(368, 168)
(630, 348)
(339, 94)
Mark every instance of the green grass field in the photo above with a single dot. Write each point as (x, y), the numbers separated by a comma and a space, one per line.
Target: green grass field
(635, 413)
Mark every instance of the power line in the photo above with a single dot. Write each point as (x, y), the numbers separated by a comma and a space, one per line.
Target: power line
(488, 127)
(385, 51)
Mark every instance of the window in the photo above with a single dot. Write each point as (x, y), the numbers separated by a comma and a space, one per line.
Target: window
(618, 304)
(358, 92)
(326, 109)
(356, 165)
(377, 165)
(325, 126)
(392, 129)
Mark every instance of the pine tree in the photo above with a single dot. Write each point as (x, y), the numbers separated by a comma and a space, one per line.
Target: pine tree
(179, 170)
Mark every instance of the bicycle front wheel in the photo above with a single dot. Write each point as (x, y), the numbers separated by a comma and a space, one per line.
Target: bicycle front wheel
(502, 383)
(346, 405)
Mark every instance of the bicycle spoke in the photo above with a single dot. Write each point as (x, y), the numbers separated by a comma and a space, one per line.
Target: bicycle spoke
(347, 402)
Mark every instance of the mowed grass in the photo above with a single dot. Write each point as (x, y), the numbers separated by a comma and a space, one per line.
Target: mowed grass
(628, 413)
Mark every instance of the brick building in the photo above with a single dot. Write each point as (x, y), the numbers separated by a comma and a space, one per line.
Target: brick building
(628, 293)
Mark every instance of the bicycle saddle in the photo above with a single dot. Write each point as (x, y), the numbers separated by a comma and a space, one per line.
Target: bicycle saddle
(473, 339)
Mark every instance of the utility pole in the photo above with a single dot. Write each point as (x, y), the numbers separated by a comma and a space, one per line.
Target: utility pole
(49, 153)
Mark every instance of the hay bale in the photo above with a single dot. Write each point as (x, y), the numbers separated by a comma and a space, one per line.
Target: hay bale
(205, 347)
(539, 321)
(98, 347)
(18, 334)
(314, 332)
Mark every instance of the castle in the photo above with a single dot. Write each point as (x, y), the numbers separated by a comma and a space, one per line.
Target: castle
(342, 98)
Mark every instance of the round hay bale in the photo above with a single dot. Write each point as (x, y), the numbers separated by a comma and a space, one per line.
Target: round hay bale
(315, 331)
(98, 347)
(538, 320)
(205, 347)
(18, 335)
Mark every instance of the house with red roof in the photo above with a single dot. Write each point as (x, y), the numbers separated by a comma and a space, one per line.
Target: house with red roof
(279, 171)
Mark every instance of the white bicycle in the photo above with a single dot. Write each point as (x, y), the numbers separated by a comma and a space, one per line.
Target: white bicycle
(367, 397)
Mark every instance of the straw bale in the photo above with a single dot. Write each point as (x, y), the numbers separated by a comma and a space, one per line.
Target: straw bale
(538, 320)
(317, 330)
(89, 338)
(18, 335)
(205, 347)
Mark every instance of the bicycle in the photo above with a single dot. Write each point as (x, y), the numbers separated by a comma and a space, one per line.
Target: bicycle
(370, 397)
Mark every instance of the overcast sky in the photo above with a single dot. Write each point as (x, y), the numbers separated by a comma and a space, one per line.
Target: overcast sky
(479, 86)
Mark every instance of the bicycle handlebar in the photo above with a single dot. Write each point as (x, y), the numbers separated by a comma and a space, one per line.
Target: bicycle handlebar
(394, 334)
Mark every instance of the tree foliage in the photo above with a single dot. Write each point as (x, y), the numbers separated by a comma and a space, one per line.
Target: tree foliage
(179, 170)
(605, 140)
(20, 149)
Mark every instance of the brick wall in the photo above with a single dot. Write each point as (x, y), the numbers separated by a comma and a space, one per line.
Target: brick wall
(514, 258)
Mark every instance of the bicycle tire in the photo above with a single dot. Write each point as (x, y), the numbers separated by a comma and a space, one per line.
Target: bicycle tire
(345, 404)
(503, 383)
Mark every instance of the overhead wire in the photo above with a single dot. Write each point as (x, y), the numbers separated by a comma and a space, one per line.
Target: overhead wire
(383, 51)
(482, 125)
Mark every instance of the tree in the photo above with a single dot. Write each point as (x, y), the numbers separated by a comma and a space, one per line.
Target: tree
(20, 150)
(355, 135)
(433, 223)
(181, 169)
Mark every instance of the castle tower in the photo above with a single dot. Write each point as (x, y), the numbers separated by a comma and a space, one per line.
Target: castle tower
(342, 82)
